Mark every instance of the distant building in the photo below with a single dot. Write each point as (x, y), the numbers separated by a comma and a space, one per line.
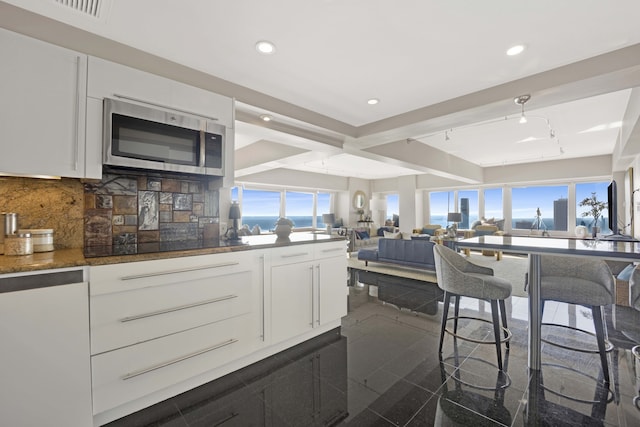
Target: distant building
(560, 214)
(464, 210)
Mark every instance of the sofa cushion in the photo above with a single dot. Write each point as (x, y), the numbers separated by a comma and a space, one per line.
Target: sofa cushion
(413, 253)
(368, 254)
(364, 234)
(430, 229)
(476, 223)
(381, 230)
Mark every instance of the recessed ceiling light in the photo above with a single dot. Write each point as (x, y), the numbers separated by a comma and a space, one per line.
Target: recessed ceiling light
(515, 50)
(373, 101)
(266, 118)
(266, 47)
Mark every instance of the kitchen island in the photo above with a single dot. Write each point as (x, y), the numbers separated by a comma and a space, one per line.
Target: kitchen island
(150, 326)
(64, 258)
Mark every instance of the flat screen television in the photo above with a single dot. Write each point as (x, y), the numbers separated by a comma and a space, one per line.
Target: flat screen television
(612, 207)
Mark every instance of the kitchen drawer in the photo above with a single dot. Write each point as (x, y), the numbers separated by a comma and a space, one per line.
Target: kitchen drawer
(129, 373)
(127, 317)
(330, 249)
(292, 254)
(134, 275)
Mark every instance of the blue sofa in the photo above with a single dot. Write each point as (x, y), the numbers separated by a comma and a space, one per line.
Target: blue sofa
(412, 253)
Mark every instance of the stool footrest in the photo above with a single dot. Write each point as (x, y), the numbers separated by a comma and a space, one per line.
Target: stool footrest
(607, 343)
(505, 339)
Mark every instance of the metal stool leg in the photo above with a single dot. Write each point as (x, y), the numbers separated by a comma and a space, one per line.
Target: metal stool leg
(596, 311)
(445, 315)
(503, 313)
(496, 330)
(456, 314)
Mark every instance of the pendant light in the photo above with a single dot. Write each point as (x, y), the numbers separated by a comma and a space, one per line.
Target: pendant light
(521, 100)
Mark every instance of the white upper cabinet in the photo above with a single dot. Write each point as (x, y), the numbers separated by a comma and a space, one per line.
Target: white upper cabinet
(108, 79)
(42, 105)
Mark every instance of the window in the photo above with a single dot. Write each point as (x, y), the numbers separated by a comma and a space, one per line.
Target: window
(439, 201)
(260, 208)
(585, 190)
(393, 206)
(468, 207)
(324, 207)
(540, 208)
(493, 203)
(299, 208)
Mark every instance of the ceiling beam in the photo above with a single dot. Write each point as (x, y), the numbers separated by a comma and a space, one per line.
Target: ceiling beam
(598, 75)
(415, 155)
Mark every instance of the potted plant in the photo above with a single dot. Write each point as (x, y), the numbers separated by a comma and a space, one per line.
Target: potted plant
(595, 210)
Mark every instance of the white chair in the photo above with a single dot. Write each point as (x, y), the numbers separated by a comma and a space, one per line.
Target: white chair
(458, 277)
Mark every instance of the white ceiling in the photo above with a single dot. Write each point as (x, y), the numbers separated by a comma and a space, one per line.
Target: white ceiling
(435, 66)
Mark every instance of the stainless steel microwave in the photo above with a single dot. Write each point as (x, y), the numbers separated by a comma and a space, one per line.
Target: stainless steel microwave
(142, 137)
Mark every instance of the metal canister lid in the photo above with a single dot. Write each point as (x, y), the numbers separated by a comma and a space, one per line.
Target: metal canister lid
(36, 231)
(18, 234)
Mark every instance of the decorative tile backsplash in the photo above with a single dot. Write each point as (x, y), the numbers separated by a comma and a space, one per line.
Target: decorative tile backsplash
(125, 211)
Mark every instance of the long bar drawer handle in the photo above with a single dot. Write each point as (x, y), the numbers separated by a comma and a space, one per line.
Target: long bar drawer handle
(333, 250)
(295, 255)
(178, 359)
(180, 270)
(178, 308)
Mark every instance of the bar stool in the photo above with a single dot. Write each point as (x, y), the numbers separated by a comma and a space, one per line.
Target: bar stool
(458, 277)
(579, 281)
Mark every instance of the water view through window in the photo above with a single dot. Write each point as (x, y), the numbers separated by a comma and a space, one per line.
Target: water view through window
(262, 207)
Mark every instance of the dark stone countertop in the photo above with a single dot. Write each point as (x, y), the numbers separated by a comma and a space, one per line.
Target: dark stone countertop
(65, 258)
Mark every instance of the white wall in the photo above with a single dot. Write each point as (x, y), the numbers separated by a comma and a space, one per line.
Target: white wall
(407, 203)
(358, 184)
(551, 171)
(289, 178)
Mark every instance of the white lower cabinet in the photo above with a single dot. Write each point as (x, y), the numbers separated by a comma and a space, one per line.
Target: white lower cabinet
(292, 292)
(45, 372)
(126, 374)
(160, 328)
(332, 289)
(157, 324)
(308, 288)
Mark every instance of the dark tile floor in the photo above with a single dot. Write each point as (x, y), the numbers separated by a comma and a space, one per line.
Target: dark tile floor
(382, 369)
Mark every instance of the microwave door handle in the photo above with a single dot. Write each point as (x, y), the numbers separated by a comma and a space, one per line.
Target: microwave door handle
(203, 139)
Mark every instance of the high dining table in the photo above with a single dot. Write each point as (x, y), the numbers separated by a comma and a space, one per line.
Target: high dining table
(534, 247)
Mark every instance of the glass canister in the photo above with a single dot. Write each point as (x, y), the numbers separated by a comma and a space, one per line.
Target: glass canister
(18, 244)
(42, 238)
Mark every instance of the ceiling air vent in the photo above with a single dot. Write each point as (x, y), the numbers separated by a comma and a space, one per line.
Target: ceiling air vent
(90, 7)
